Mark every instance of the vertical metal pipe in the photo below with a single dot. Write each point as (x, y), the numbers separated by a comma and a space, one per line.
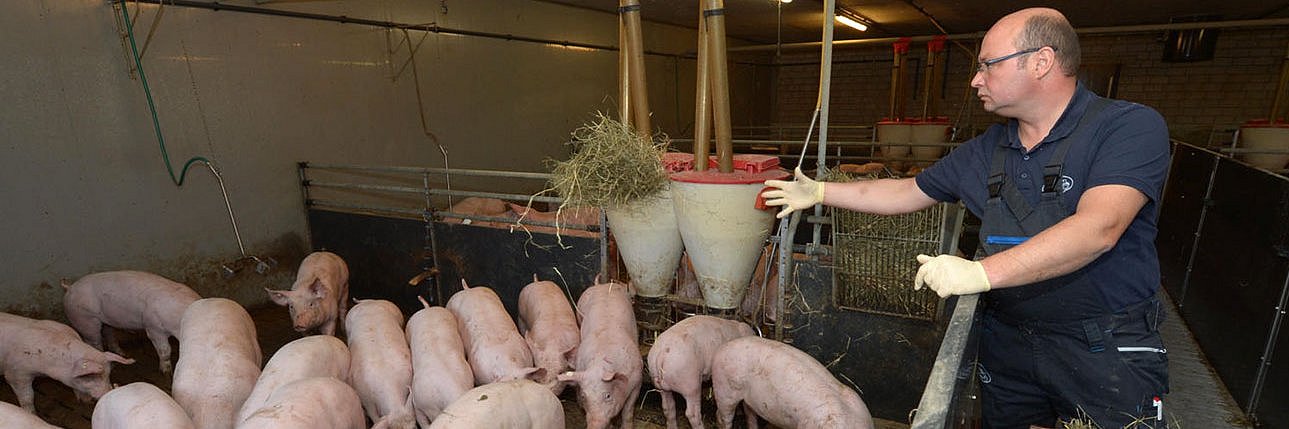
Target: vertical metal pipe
(629, 11)
(303, 168)
(703, 100)
(1199, 228)
(714, 18)
(825, 90)
(432, 244)
(1270, 348)
(624, 75)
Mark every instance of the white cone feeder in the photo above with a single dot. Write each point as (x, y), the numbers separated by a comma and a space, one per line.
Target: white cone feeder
(649, 239)
(1265, 135)
(722, 229)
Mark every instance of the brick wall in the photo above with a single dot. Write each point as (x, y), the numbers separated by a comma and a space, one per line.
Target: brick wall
(1235, 86)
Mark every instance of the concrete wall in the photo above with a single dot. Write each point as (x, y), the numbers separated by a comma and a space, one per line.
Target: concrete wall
(1236, 86)
(84, 184)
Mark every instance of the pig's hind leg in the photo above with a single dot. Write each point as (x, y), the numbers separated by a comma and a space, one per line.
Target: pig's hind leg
(161, 341)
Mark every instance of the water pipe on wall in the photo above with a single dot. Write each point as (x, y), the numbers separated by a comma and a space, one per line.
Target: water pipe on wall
(262, 265)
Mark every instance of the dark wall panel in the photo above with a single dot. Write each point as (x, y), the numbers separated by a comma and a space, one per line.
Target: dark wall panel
(1238, 273)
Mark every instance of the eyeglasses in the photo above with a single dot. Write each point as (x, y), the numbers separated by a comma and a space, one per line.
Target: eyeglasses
(984, 65)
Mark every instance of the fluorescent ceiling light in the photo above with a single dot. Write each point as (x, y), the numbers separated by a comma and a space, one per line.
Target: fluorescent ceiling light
(850, 22)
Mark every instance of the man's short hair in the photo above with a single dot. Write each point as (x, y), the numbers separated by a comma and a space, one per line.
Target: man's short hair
(1052, 30)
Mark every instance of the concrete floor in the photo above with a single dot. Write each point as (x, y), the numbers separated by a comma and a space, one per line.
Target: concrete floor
(1198, 399)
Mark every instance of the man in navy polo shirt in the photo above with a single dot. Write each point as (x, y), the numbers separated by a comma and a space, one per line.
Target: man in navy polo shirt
(1068, 191)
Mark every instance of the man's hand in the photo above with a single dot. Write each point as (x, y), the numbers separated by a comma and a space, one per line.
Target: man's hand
(800, 194)
(951, 275)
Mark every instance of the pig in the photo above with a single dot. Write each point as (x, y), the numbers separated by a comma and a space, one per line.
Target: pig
(608, 359)
(508, 404)
(319, 297)
(783, 385)
(30, 347)
(380, 367)
(130, 300)
(440, 373)
(550, 328)
(681, 360)
(312, 356)
(139, 405)
(220, 363)
(493, 346)
(309, 403)
(14, 417)
(568, 221)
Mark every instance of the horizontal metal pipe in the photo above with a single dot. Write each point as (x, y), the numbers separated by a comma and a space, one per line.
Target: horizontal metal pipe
(433, 28)
(328, 204)
(430, 170)
(1276, 22)
(435, 191)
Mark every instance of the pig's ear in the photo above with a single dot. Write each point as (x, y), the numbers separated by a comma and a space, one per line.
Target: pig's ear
(318, 289)
(464, 285)
(568, 377)
(279, 297)
(87, 367)
(609, 376)
(118, 358)
(570, 354)
(534, 374)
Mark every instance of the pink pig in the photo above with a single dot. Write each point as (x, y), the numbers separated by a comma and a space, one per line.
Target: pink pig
(681, 360)
(440, 373)
(30, 347)
(317, 299)
(380, 367)
(219, 364)
(550, 328)
(312, 356)
(310, 403)
(139, 405)
(783, 385)
(130, 300)
(493, 346)
(11, 416)
(608, 360)
(506, 404)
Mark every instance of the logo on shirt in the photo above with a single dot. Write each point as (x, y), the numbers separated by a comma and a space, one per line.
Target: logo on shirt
(1066, 184)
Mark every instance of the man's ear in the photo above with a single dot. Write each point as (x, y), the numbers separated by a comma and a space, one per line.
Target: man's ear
(1044, 62)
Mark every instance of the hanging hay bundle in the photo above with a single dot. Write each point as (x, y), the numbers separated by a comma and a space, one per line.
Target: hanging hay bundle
(611, 165)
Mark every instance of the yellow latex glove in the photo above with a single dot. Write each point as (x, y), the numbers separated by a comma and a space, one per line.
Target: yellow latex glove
(951, 275)
(800, 194)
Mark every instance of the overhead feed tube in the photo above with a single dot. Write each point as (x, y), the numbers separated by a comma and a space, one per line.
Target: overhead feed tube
(703, 100)
(714, 20)
(624, 75)
(934, 69)
(629, 11)
(1278, 101)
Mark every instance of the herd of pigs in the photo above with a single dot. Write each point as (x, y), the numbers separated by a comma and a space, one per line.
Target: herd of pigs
(466, 365)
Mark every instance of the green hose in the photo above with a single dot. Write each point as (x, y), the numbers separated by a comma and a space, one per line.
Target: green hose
(156, 125)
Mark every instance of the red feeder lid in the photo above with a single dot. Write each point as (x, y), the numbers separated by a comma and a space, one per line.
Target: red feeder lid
(677, 161)
(750, 163)
(738, 177)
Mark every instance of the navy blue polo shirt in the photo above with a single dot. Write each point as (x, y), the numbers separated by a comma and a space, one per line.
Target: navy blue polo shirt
(1129, 147)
